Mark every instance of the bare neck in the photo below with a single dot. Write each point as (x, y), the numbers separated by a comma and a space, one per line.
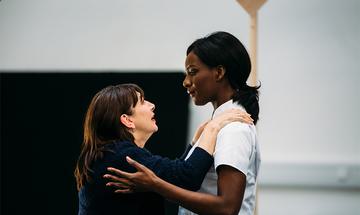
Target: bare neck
(140, 139)
(224, 94)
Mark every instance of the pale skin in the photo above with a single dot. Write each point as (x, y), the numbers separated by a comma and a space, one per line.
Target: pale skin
(204, 85)
(141, 123)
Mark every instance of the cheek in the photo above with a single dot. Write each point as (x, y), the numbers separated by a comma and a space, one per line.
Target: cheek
(205, 86)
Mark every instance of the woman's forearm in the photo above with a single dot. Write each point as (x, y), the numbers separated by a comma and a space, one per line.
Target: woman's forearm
(200, 203)
(208, 138)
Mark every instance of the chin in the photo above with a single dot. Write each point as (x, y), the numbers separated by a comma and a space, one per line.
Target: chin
(199, 102)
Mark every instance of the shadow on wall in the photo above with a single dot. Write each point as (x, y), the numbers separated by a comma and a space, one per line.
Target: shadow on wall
(41, 132)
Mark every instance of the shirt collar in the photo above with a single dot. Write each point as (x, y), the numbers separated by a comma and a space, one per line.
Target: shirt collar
(226, 106)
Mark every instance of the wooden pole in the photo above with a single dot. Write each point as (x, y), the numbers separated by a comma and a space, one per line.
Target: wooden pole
(253, 49)
(252, 6)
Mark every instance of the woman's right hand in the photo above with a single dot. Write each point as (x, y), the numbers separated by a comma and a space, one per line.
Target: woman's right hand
(229, 116)
(212, 128)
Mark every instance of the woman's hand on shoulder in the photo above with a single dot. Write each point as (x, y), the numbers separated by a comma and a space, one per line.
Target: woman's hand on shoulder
(228, 116)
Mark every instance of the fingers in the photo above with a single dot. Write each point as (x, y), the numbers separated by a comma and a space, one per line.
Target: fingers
(233, 115)
(123, 174)
(118, 185)
(119, 172)
(118, 180)
(242, 116)
(241, 112)
(135, 164)
(246, 119)
(124, 191)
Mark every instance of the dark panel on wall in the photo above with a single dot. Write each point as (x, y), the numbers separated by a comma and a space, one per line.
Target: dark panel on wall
(41, 132)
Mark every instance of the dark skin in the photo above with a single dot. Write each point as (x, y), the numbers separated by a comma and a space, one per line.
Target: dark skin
(231, 195)
(225, 202)
(231, 182)
(204, 85)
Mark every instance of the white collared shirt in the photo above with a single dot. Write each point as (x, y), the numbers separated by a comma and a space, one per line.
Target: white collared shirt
(236, 146)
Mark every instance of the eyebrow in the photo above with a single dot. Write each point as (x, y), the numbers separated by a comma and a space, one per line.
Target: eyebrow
(191, 65)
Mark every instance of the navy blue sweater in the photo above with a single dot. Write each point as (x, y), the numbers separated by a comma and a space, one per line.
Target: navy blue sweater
(96, 198)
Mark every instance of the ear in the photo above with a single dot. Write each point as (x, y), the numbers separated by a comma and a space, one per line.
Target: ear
(126, 120)
(219, 73)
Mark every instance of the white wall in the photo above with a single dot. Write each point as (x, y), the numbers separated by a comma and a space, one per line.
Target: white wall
(308, 64)
(110, 34)
(310, 71)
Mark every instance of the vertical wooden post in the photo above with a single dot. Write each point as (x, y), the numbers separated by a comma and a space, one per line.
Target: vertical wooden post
(252, 6)
(253, 50)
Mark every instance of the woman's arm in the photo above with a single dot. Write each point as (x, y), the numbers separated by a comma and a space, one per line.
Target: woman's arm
(189, 174)
(212, 128)
(186, 174)
(231, 187)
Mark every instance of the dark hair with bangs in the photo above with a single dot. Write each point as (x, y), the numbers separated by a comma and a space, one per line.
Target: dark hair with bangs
(102, 125)
(223, 49)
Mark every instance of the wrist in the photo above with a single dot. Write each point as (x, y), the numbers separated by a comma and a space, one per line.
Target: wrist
(157, 185)
(212, 127)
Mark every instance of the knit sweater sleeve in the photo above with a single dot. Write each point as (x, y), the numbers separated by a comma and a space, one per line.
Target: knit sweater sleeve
(187, 174)
(187, 149)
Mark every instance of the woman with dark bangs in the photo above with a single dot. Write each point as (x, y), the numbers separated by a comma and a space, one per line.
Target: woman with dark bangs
(118, 123)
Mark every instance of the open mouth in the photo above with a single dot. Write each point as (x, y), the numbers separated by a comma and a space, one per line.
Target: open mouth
(191, 93)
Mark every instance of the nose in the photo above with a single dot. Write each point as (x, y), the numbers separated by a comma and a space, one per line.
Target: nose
(186, 82)
(152, 106)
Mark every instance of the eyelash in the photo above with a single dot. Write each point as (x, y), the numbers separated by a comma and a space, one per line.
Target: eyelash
(191, 72)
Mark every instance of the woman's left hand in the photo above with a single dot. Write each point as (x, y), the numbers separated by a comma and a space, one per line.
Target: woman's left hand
(124, 182)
